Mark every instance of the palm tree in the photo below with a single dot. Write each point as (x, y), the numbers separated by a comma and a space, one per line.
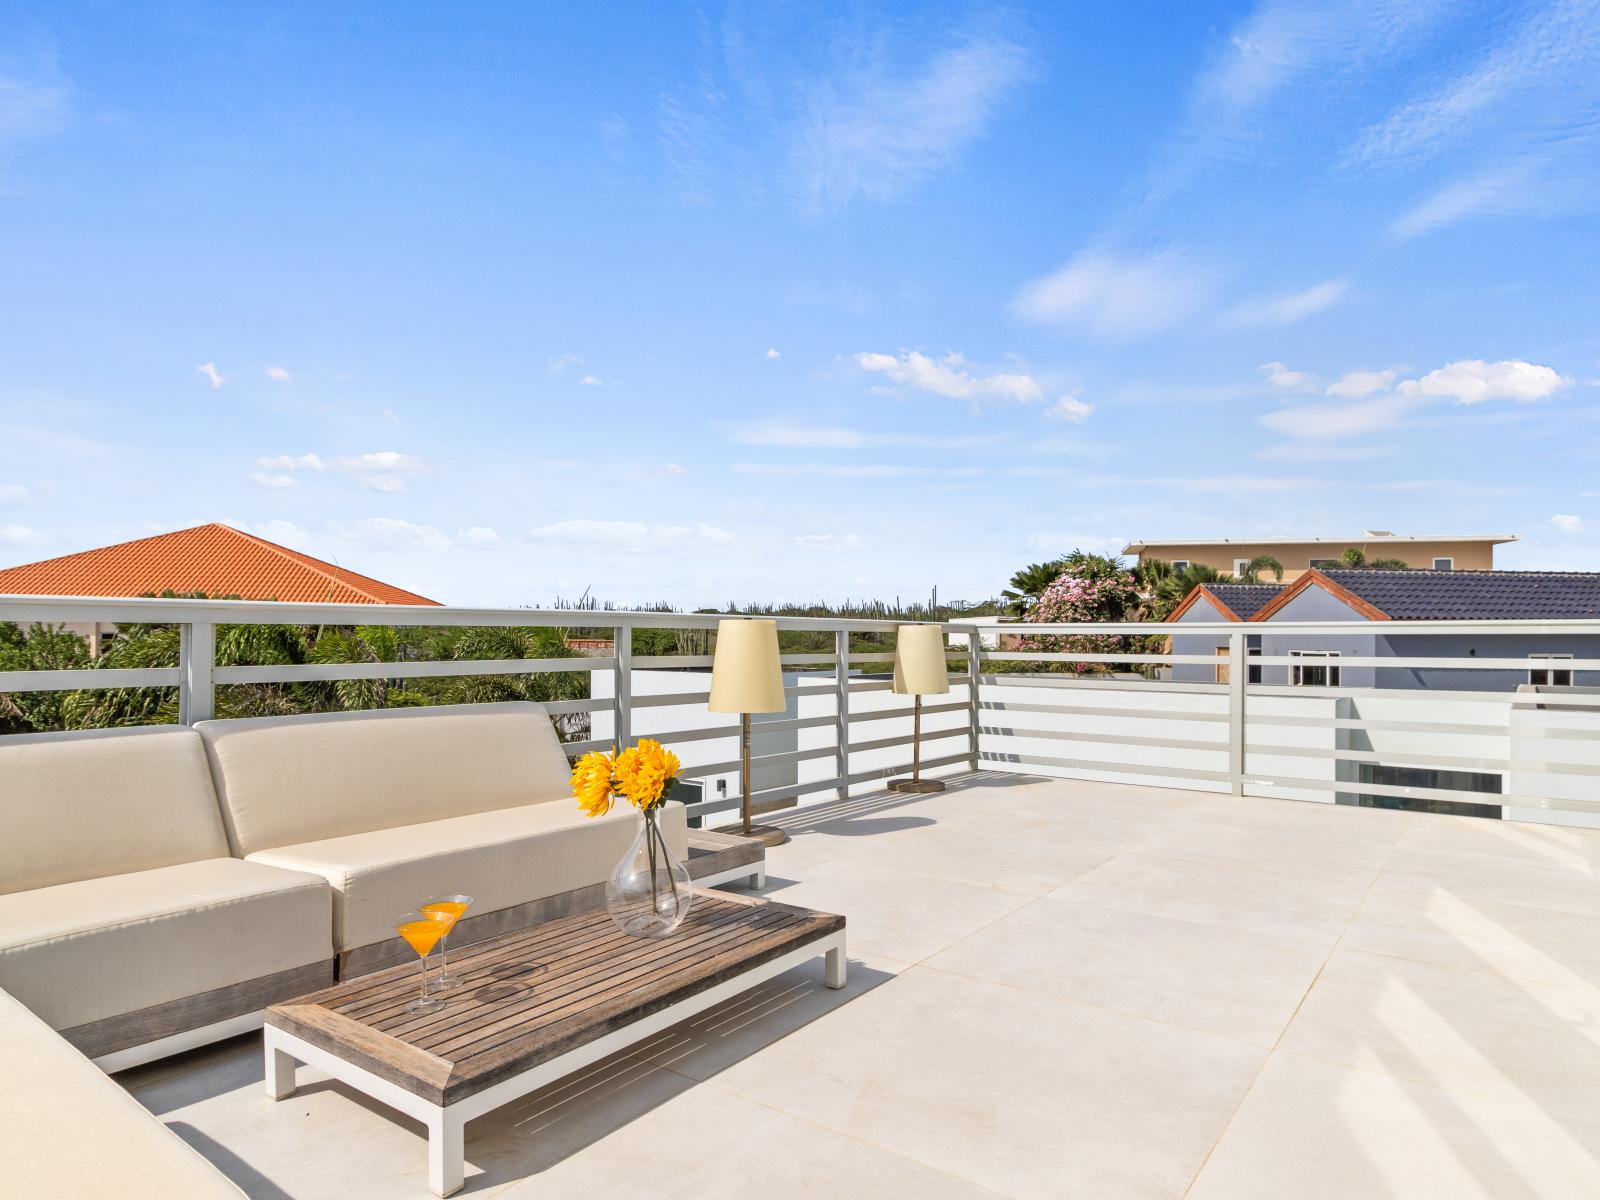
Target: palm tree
(1356, 559)
(1028, 584)
(1258, 564)
(1171, 586)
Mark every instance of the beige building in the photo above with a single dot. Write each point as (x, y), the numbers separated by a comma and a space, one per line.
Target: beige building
(1468, 552)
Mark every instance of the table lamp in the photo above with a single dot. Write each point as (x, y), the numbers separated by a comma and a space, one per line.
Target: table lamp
(920, 669)
(747, 677)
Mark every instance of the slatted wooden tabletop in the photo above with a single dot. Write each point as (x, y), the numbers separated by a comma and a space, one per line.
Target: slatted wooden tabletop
(532, 995)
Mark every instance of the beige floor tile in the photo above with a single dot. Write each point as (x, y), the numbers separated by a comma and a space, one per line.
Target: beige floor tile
(1208, 977)
(747, 1024)
(1459, 1030)
(1315, 853)
(1028, 1094)
(1549, 845)
(1514, 940)
(711, 1145)
(1344, 822)
(998, 856)
(895, 913)
(1491, 877)
(1314, 1131)
(1270, 903)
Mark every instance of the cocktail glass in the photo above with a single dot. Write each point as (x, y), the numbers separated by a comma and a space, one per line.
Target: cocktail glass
(422, 931)
(453, 908)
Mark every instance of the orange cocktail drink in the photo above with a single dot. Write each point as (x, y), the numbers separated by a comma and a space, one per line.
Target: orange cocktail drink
(451, 909)
(422, 932)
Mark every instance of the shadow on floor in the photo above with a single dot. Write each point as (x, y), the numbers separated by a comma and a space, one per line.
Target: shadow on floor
(252, 1182)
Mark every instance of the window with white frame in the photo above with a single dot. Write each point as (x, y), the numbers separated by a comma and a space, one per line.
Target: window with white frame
(1180, 564)
(1324, 564)
(1550, 675)
(1316, 668)
(1444, 564)
(1240, 566)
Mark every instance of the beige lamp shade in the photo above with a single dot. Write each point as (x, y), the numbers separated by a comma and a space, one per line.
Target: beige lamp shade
(746, 676)
(919, 661)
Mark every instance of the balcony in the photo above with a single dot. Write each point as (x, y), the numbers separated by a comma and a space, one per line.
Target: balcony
(1158, 938)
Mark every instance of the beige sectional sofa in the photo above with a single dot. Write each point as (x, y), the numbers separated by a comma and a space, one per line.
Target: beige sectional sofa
(125, 919)
(394, 806)
(160, 887)
(75, 1133)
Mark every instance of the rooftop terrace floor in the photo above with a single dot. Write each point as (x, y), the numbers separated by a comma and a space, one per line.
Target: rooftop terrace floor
(1061, 989)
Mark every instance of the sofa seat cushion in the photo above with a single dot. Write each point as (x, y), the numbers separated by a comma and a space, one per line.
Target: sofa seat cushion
(500, 859)
(75, 1132)
(81, 952)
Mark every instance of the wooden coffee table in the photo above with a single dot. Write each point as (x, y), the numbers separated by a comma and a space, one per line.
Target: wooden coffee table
(535, 1005)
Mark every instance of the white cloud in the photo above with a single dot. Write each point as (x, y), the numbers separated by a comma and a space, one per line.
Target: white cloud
(820, 437)
(1117, 298)
(292, 462)
(557, 366)
(21, 535)
(837, 470)
(866, 135)
(634, 536)
(1069, 408)
(1567, 522)
(773, 353)
(31, 110)
(1284, 379)
(209, 370)
(479, 537)
(831, 543)
(1472, 381)
(277, 374)
(1322, 420)
(14, 493)
(1289, 308)
(391, 533)
(950, 377)
(591, 381)
(263, 479)
(1369, 401)
(379, 471)
(1356, 384)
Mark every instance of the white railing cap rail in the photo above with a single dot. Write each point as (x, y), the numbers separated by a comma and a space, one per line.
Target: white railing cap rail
(157, 610)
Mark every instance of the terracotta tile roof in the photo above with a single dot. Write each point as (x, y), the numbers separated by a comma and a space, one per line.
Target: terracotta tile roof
(214, 559)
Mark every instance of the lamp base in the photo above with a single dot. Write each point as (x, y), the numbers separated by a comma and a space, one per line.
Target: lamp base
(916, 785)
(767, 835)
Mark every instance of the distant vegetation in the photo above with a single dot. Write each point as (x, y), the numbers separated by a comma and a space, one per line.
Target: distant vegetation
(41, 648)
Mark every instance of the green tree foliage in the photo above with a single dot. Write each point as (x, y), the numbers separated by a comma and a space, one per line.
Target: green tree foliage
(37, 648)
(1356, 558)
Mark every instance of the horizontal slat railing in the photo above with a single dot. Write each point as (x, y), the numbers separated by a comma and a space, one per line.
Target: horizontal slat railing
(1103, 711)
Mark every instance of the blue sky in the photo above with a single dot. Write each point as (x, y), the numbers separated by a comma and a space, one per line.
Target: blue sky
(706, 303)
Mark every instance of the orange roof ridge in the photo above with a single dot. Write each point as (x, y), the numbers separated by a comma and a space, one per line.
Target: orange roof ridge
(214, 558)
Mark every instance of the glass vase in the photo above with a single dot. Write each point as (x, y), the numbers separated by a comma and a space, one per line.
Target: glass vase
(648, 894)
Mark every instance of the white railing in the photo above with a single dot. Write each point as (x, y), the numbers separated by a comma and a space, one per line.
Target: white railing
(1536, 750)
(850, 699)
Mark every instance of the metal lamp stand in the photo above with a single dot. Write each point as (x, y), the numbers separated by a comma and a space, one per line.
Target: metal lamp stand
(916, 783)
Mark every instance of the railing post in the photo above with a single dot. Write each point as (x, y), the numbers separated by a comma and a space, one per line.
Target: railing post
(841, 711)
(622, 691)
(1238, 677)
(197, 657)
(974, 675)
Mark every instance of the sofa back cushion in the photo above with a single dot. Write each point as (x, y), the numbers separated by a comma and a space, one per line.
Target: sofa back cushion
(287, 780)
(102, 802)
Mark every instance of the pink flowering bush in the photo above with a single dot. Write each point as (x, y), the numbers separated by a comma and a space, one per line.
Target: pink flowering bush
(1082, 593)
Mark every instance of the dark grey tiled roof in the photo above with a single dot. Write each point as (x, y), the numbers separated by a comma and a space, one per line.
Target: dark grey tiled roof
(1244, 600)
(1475, 595)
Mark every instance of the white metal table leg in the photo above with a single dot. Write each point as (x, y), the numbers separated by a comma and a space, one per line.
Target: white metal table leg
(446, 1169)
(280, 1071)
(834, 969)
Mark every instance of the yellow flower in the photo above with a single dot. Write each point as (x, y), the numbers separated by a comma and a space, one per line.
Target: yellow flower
(645, 772)
(591, 783)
